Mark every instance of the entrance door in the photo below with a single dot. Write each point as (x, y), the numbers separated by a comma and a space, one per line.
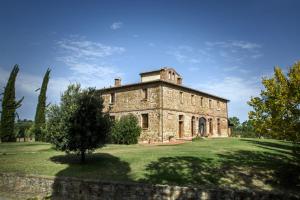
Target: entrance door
(193, 126)
(180, 129)
(202, 126)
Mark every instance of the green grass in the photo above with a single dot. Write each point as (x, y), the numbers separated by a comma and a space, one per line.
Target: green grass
(239, 163)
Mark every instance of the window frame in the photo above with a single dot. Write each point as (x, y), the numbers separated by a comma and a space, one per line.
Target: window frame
(143, 123)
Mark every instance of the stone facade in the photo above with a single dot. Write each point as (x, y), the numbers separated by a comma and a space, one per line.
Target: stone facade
(170, 109)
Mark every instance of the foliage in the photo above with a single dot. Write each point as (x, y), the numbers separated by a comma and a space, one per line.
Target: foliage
(78, 123)
(89, 126)
(22, 127)
(126, 130)
(245, 129)
(235, 122)
(39, 121)
(9, 106)
(58, 123)
(276, 113)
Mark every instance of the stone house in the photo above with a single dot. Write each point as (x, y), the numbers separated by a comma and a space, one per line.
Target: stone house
(166, 109)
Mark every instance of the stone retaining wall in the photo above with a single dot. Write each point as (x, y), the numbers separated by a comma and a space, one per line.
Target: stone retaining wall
(74, 188)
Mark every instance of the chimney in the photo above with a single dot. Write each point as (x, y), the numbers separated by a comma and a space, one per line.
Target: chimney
(117, 82)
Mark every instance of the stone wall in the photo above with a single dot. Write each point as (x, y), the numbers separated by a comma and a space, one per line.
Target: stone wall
(72, 188)
(174, 105)
(164, 103)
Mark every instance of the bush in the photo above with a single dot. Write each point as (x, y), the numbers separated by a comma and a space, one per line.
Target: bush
(126, 130)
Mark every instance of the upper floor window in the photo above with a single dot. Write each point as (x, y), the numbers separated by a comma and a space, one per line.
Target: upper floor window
(218, 105)
(181, 97)
(201, 101)
(192, 99)
(170, 75)
(145, 122)
(173, 76)
(145, 93)
(210, 103)
(112, 98)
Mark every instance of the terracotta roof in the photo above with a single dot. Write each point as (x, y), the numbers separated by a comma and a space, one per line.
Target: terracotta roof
(163, 82)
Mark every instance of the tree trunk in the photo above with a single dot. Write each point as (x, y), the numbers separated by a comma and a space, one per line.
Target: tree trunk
(82, 156)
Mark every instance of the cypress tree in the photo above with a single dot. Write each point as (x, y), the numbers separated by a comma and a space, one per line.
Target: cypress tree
(9, 106)
(41, 105)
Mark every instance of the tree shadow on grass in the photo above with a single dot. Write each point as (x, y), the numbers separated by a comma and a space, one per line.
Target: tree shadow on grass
(182, 170)
(288, 146)
(241, 169)
(261, 170)
(85, 181)
(97, 166)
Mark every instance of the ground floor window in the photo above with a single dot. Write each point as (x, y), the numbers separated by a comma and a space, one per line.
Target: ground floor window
(145, 121)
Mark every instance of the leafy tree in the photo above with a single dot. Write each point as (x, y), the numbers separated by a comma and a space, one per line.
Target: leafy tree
(235, 121)
(276, 113)
(89, 126)
(41, 107)
(58, 123)
(78, 124)
(126, 130)
(9, 107)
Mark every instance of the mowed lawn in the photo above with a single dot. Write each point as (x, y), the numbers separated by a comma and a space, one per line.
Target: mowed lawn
(260, 164)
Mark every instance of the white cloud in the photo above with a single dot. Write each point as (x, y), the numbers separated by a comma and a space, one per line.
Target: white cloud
(87, 61)
(234, 44)
(187, 54)
(116, 25)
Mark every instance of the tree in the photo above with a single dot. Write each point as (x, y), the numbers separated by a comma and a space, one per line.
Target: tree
(276, 113)
(126, 130)
(58, 123)
(40, 117)
(9, 107)
(89, 126)
(235, 121)
(78, 123)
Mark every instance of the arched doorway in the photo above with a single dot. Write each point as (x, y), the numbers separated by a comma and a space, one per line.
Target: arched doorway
(193, 126)
(202, 126)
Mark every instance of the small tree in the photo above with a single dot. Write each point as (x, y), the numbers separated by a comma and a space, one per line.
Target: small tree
(9, 106)
(126, 130)
(78, 124)
(89, 126)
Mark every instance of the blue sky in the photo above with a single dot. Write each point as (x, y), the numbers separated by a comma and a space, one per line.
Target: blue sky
(221, 47)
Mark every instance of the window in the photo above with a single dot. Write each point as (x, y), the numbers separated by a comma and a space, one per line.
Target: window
(201, 101)
(192, 99)
(145, 123)
(218, 105)
(112, 98)
(170, 75)
(181, 97)
(145, 93)
(173, 76)
(210, 103)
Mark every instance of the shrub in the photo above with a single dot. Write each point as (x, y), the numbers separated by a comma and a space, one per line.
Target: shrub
(126, 130)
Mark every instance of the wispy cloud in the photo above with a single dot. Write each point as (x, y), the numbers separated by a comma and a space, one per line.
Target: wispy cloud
(187, 54)
(234, 44)
(87, 60)
(116, 25)
(235, 50)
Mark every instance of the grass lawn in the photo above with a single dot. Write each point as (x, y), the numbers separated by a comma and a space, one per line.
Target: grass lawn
(240, 163)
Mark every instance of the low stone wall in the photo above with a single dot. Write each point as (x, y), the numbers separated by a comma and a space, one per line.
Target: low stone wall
(74, 188)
